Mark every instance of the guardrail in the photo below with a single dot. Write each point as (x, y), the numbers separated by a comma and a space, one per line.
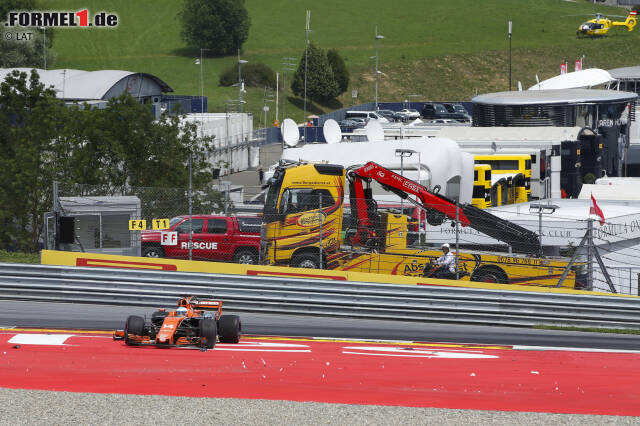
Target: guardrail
(280, 295)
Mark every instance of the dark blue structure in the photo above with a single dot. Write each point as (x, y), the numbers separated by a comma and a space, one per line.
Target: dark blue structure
(179, 104)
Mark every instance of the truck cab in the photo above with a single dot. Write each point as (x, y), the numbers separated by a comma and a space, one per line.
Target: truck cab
(303, 211)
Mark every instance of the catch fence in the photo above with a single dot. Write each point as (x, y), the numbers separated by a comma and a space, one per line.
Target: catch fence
(231, 224)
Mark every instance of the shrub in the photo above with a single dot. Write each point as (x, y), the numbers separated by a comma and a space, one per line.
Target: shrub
(321, 84)
(254, 75)
(340, 72)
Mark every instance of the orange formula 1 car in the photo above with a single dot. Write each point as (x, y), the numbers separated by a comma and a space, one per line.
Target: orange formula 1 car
(194, 323)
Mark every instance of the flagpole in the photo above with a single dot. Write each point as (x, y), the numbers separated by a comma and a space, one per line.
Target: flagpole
(590, 254)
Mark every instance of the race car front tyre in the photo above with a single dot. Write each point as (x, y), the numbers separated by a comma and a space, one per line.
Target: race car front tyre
(134, 325)
(207, 333)
(229, 328)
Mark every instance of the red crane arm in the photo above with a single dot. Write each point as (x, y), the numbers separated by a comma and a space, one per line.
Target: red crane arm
(520, 239)
(398, 183)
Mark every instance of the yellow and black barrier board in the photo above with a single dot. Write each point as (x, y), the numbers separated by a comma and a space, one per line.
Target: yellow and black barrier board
(137, 225)
(159, 224)
(65, 258)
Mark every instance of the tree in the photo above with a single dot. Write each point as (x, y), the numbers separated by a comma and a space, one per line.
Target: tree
(30, 116)
(221, 26)
(321, 84)
(42, 141)
(340, 72)
(123, 145)
(24, 53)
(7, 6)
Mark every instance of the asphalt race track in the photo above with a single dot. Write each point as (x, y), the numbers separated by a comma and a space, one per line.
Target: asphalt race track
(63, 347)
(103, 317)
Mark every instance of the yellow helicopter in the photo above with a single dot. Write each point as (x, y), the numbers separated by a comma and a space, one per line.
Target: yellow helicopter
(600, 25)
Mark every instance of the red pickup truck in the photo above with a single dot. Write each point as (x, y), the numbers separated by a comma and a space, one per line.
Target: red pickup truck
(219, 238)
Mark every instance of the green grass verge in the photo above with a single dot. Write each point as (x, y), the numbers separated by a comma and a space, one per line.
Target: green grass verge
(589, 329)
(17, 257)
(440, 50)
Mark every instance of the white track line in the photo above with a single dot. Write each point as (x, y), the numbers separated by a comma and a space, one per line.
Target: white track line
(558, 348)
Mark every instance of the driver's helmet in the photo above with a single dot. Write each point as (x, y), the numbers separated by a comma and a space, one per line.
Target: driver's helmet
(181, 311)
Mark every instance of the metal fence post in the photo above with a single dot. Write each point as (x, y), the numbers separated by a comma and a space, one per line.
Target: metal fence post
(590, 254)
(56, 209)
(321, 217)
(226, 201)
(457, 238)
(55, 197)
(227, 188)
(190, 210)
(539, 227)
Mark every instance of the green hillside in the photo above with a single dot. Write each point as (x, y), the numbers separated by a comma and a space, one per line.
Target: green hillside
(438, 49)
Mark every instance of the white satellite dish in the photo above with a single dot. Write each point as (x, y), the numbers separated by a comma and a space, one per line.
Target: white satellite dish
(331, 131)
(374, 131)
(290, 132)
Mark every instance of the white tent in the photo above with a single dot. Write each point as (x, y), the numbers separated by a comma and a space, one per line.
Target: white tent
(574, 80)
(618, 192)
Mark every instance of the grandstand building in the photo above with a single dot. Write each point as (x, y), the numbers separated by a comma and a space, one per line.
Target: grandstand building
(606, 113)
(97, 87)
(628, 79)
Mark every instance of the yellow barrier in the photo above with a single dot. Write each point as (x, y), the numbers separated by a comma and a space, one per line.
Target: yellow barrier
(65, 258)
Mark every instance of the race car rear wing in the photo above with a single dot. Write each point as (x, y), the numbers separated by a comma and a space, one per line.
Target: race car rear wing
(206, 304)
(195, 303)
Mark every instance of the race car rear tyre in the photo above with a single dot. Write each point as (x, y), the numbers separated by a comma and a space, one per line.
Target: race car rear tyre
(207, 333)
(134, 325)
(229, 327)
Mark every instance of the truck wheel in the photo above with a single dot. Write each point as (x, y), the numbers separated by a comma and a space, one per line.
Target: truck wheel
(134, 325)
(153, 252)
(245, 257)
(307, 261)
(207, 333)
(490, 276)
(229, 327)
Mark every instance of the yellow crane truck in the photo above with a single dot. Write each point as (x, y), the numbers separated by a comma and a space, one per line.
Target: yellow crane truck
(304, 211)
